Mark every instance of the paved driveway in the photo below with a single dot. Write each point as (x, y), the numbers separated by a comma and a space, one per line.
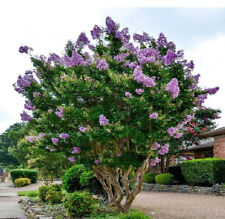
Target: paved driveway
(163, 205)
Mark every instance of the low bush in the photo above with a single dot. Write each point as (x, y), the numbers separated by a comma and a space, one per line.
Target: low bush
(20, 182)
(32, 193)
(79, 204)
(42, 192)
(177, 173)
(134, 214)
(50, 194)
(206, 171)
(164, 178)
(24, 173)
(149, 178)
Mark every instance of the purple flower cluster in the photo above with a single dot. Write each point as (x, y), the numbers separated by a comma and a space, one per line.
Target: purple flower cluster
(82, 41)
(55, 140)
(121, 57)
(64, 136)
(103, 120)
(60, 113)
(71, 159)
(147, 55)
(153, 115)
(40, 136)
(171, 45)
(55, 59)
(110, 25)
(162, 41)
(156, 146)
(172, 130)
(97, 161)
(31, 138)
(130, 47)
(75, 60)
(76, 150)
(129, 95)
(25, 49)
(139, 91)
(140, 77)
(154, 161)
(29, 106)
(178, 135)
(83, 129)
(123, 35)
(25, 116)
(201, 98)
(101, 64)
(96, 32)
(173, 88)
(130, 65)
(164, 149)
(36, 94)
(211, 91)
(196, 80)
(169, 57)
(142, 38)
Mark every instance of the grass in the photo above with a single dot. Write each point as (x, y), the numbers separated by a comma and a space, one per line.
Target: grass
(31, 193)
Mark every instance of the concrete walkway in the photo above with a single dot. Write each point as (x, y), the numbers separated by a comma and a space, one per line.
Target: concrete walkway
(161, 205)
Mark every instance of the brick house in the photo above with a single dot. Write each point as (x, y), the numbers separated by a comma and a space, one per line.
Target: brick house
(212, 146)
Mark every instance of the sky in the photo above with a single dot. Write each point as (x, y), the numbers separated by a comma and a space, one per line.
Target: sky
(47, 25)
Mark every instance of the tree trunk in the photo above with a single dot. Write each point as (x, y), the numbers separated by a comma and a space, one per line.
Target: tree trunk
(117, 184)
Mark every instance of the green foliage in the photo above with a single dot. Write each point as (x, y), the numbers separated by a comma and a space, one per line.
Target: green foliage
(54, 194)
(31, 193)
(42, 192)
(177, 173)
(79, 204)
(20, 182)
(204, 171)
(164, 178)
(25, 173)
(71, 178)
(149, 178)
(134, 215)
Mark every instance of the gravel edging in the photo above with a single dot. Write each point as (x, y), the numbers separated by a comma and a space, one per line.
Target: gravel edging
(214, 190)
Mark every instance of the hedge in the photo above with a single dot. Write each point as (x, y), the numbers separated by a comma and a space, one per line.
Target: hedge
(24, 173)
(206, 171)
(164, 178)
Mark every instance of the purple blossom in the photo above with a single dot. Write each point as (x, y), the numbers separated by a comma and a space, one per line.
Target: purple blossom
(131, 65)
(103, 120)
(211, 91)
(147, 55)
(71, 159)
(55, 59)
(178, 135)
(171, 45)
(173, 88)
(40, 136)
(97, 161)
(142, 38)
(190, 65)
(172, 130)
(75, 60)
(123, 35)
(83, 129)
(155, 146)
(129, 95)
(55, 140)
(64, 136)
(110, 25)
(82, 41)
(76, 150)
(36, 94)
(139, 91)
(130, 47)
(164, 149)
(201, 98)
(162, 41)
(140, 77)
(169, 57)
(91, 47)
(154, 162)
(180, 54)
(25, 116)
(153, 116)
(101, 64)
(30, 138)
(121, 57)
(60, 113)
(25, 49)
(188, 119)
(96, 32)
(29, 106)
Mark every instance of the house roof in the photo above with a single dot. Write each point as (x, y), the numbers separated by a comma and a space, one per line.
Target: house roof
(207, 143)
(215, 132)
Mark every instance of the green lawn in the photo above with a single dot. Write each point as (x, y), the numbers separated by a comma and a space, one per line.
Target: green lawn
(31, 193)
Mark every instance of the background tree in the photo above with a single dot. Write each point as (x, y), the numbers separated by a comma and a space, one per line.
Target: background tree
(114, 108)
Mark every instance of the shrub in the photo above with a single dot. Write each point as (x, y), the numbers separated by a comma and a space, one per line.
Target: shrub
(42, 192)
(149, 178)
(164, 178)
(204, 171)
(32, 193)
(20, 182)
(79, 204)
(71, 178)
(24, 173)
(54, 195)
(176, 171)
(134, 215)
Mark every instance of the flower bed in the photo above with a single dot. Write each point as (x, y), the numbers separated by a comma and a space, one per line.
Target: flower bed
(215, 189)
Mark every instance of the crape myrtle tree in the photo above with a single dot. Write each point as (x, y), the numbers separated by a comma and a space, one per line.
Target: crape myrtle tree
(203, 121)
(111, 105)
